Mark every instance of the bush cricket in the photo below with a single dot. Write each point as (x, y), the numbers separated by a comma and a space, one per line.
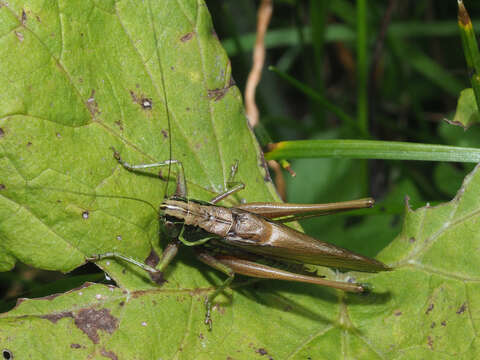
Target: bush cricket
(233, 239)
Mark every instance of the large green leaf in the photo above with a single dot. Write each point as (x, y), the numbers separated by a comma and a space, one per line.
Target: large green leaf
(95, 75)
(79, 78)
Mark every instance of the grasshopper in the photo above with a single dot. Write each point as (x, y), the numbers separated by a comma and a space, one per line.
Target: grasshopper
(233, 239)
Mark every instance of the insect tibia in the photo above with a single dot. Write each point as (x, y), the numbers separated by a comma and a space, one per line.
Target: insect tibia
(181, 184)
(156, 273)
(116, 255)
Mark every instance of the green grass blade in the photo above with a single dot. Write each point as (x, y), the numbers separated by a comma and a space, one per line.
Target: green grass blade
(371, 149)
(470, 48)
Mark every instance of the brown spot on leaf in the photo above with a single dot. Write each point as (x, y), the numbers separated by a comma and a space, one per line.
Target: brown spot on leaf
(19, 36)
(145, 102)
(412, 240)
(430, 308)
(2, 186)
(92, 105)
(119, 124)
(217, 94)
(164, 133)
(109, 354)
(24, 17)
(443, 323)
(134, 97)
(432, 325)
(187, 37)
(91, 320)
(430, 342)
(58, 316)
(29, 144)
(2, 133)
(262, 351)
(397, 313)
(75, 346)
(462, 309)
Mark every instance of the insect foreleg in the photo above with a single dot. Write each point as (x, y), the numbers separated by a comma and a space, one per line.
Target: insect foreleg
(170, 252)
(181, 183)
(208, 259)
(184, 241)
(116, 255)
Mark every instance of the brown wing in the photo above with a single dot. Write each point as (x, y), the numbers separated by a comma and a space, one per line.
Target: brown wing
(259, 235)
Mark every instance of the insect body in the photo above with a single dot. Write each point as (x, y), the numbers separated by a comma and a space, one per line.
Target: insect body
(229, 238)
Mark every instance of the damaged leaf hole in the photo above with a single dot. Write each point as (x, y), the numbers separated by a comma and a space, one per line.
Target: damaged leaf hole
(147, 103)
(7, 354)
(91, 321)
(85, 215)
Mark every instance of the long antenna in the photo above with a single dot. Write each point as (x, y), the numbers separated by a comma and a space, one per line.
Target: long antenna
(123, 197)
(165, 99)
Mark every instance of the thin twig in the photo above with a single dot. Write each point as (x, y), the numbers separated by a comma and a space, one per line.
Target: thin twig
(263, 19)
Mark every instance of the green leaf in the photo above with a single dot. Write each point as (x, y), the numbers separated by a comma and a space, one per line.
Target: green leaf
(83, 79)
(467, 110)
